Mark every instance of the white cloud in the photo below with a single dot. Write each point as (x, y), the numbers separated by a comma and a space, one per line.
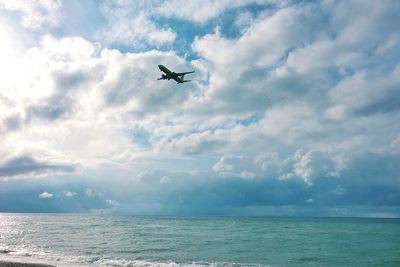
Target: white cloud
(112, 202)
(263, 43)
(257, 81)
(306, 166)
(202, 11)
(67, 86)
(46, 195)
(313, 165)
(165, 180)
(90, 192)
(245, 167)
(357, 19)
(132, 27)
(316, 57)
(247, 175)
(68, 49)
(35, 14)
(365, 94)
(69, 194)
(77, 85)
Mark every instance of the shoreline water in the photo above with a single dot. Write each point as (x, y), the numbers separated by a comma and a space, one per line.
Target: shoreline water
(22, 264)
(85, 240)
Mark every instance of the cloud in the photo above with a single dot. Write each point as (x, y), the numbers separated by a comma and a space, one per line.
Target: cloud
(53, 108)
(258, 80)
(310, 165)
(247, 175)
(90, 192)
(112, 202)
(298, 109)
(282, 65)
(190, 192)
(141, 24)
(231, 165)
(365, 94)
(69, 194)
(129, 24)
(26, 166)
(35, 14)
(206, 10)
(46, 195)
(280, 31)
(312, 183)
(355, 27)
(66, 49)
(130, 81)
(71, 83)
(10, 123)
(306, 166)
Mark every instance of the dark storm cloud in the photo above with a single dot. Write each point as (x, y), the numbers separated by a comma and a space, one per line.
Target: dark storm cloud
(26, 165)
(373, 178)
(314, 181)
(358, 184)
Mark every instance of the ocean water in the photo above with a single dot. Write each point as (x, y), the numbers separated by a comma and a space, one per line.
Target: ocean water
(94, 240)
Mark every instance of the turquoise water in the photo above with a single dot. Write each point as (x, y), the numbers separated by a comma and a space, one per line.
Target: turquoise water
(79, 240)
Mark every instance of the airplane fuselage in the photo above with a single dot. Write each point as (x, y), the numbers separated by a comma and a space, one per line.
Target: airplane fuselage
(178, 77)
(170, 74)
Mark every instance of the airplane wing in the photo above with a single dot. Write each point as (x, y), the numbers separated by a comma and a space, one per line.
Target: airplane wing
(183, 73)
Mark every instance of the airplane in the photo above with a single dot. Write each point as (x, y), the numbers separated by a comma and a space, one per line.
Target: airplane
(178, 77)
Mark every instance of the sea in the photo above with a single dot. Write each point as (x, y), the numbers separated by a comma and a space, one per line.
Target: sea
(111, 240)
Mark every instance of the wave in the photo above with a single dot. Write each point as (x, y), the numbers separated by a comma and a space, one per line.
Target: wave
(5, 251)
(15, 252)
(142, 263)
(22, 255)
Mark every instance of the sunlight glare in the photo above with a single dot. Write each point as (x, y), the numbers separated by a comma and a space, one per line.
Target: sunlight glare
(8, 55)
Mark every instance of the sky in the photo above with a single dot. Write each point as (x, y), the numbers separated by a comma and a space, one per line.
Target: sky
(293, 109)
